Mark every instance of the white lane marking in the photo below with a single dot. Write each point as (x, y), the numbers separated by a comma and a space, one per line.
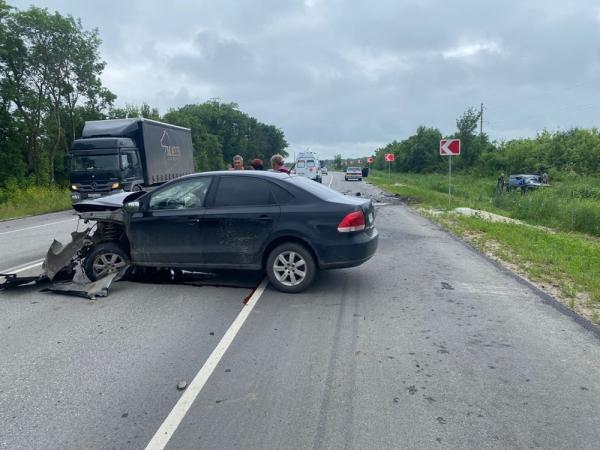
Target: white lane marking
(21, 268)
(331, 181)
(37, 226)
(175, 417)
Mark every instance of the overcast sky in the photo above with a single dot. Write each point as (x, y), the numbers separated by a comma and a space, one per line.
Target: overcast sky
(350, 76)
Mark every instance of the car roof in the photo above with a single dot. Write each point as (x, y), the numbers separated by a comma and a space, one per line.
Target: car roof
(241, 173)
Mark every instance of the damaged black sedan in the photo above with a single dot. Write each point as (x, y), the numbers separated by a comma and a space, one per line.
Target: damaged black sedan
(287, 226)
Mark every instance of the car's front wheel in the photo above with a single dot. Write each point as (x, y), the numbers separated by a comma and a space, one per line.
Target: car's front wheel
(291, 268)
(105, 258)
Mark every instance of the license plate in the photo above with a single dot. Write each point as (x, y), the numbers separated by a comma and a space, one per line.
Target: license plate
(94, 195)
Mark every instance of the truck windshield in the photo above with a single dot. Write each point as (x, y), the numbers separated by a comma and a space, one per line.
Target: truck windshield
(95, 162)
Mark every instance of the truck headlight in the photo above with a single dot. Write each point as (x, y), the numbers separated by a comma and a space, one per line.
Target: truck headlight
(74, 187)
(116, 185)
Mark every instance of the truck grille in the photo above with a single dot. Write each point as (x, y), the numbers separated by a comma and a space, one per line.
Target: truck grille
(95, 187)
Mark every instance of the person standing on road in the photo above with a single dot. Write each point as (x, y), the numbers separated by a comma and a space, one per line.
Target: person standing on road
(238, 163)
(277, 164)
(545, 178)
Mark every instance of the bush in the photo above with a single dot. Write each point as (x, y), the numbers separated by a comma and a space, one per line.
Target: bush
(18, 201)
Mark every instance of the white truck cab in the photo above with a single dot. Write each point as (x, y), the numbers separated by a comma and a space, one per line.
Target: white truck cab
(308, 165)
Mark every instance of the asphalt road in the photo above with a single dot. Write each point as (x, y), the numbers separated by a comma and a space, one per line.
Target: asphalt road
(428, 345)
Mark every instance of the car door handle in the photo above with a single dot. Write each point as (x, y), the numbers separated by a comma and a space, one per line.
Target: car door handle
(265, 219)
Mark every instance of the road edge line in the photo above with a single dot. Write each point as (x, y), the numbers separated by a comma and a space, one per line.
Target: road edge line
(2, 233)
(179, 411)
(23, 267)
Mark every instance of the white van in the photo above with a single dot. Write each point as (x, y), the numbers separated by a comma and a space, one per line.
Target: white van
(309, 166)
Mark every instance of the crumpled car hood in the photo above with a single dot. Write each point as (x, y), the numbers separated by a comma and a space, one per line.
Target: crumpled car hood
(110, 202)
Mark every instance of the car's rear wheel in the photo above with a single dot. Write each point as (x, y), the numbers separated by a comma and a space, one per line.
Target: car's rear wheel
(291, 268)
(105, 258)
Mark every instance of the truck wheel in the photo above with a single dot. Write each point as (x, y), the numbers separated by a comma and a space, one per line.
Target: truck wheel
(105, 258)
(291, 268)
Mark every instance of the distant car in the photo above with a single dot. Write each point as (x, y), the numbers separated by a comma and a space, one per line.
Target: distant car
(524, 182)
(323, 170)
(288, 226)
(353, 173)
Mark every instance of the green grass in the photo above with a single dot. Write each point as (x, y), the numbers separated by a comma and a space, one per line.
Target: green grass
(568, 205)
(565, 262)
(15, 202)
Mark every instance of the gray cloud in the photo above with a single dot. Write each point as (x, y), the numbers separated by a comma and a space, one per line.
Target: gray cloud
(349, 76)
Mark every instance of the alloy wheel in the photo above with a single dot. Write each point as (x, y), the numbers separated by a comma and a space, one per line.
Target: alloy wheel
(289, 268)
(106, 263)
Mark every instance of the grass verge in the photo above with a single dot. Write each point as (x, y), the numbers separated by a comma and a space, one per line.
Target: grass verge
(32, 200)
(565, 264)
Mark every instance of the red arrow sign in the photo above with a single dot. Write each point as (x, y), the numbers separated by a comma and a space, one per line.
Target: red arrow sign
(389, 156)
(450, 147)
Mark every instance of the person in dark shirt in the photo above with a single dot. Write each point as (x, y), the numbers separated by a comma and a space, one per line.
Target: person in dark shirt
(257, 164)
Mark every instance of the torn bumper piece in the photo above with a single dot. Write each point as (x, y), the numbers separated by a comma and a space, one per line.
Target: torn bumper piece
(59, 264)
(98, 288)
(60, 257)
(12, 281)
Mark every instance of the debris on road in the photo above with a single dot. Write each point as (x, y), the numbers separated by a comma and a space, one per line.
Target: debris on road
(181, 385)
(12, 281)
(98, 288)
(59, 257)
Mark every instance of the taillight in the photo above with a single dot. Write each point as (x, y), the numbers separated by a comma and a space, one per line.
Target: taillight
(355, 221)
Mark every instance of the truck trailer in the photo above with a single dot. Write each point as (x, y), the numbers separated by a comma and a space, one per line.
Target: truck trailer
(127, 155)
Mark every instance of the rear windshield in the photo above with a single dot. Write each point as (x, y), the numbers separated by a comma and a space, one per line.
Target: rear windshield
(300, 164)
(354, 169)
(316, 189)
(310, 163)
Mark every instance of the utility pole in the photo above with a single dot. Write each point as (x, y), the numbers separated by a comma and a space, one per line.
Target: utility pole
(481, 124)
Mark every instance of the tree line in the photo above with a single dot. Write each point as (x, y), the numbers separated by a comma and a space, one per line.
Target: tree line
(50, 69)
(575, 150)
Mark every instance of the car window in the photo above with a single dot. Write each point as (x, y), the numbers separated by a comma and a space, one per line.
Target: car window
(310, 163)
(316, 189)
(184, 194)
(281, 195)
(301, 164)
(243, 191)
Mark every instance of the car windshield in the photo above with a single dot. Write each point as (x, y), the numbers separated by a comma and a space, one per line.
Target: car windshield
(95, 162)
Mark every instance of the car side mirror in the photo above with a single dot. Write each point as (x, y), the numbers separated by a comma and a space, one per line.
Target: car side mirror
(132, 207)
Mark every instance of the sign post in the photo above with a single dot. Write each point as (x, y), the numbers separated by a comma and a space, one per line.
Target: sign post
(389, 157)
(449, 148)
